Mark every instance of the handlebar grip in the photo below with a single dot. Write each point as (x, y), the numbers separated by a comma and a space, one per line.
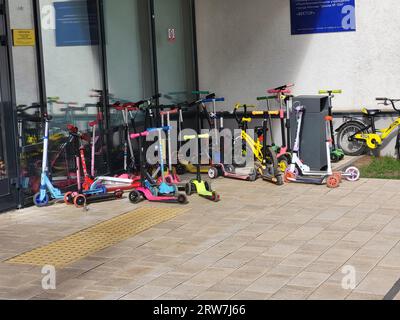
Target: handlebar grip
(199, 136)
(382, 99)
(213, 100)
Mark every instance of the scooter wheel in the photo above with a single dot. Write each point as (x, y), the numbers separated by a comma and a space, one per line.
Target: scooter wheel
(333, 182)
(283, 164)
(69, 198)
(289, 176)
(216, 197)
(182, 199)
(213, 173)
(135, 197)
(339, 176)
(208, 186)
(40, 203)
(118, 194)
(188, 189)
(279, 180)
(80, 201)
(353, 174)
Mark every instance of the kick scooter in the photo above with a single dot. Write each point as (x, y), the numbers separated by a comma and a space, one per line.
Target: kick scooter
(163, 187)
(298, 172)
(185, 166)
(171, 177)
(283, 95)
(148, 190)
(47, 190)
(126, 109)
(220, 169)
(336, 153)
(199, 186)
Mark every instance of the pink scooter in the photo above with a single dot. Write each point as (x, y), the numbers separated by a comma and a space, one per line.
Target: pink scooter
(170, 177)
(149, 189)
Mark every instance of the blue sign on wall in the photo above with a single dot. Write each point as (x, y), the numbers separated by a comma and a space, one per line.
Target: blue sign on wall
(76, 23)
(322, 16)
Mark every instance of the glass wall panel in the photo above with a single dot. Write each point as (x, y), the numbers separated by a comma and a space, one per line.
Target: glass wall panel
(72, 64)
(129, 64)
(175, 50)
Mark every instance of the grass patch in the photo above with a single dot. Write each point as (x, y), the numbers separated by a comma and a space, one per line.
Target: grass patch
(381, 168)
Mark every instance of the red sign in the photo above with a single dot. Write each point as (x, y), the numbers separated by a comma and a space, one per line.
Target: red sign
(171, 34)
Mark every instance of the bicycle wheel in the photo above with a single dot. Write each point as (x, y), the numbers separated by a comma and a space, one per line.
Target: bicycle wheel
(398, 145)
(351, 147)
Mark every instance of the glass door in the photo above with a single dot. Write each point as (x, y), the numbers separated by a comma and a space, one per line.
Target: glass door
(8, 153)
(130, 73)
(173, 27)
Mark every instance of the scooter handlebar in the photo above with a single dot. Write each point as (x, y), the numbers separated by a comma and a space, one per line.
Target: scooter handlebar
(173, 111)
(199, 136)
(201, 92)
(242, 106)
(330, 91)
(213, 100)
(166, 129)
(138, 135)
(282, 89)
(266, 98)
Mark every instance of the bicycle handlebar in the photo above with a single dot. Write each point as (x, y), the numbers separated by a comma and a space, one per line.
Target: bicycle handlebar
(392, 102)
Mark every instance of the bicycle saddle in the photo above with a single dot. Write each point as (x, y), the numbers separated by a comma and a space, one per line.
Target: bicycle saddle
(371, 112)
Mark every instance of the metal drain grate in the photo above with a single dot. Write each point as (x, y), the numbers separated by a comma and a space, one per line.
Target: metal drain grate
(79, 245)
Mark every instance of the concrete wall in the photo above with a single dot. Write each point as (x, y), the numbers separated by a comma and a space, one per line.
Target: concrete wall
(246, 47)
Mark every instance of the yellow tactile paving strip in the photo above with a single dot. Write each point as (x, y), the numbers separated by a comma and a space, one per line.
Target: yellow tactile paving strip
(79, 245)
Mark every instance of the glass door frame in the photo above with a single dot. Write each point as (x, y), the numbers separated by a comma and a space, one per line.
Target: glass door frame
(9, 197)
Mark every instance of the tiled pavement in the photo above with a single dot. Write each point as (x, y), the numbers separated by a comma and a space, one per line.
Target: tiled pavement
(259, 242)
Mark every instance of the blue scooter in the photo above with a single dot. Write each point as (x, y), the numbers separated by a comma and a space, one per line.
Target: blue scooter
(49, 193)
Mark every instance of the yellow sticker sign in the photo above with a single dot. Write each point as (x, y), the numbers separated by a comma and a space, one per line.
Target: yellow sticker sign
(24, 38)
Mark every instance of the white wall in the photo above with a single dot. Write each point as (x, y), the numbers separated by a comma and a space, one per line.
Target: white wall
(245, 47)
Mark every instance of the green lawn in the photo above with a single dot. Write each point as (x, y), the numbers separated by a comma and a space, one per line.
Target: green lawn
(381, 168)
